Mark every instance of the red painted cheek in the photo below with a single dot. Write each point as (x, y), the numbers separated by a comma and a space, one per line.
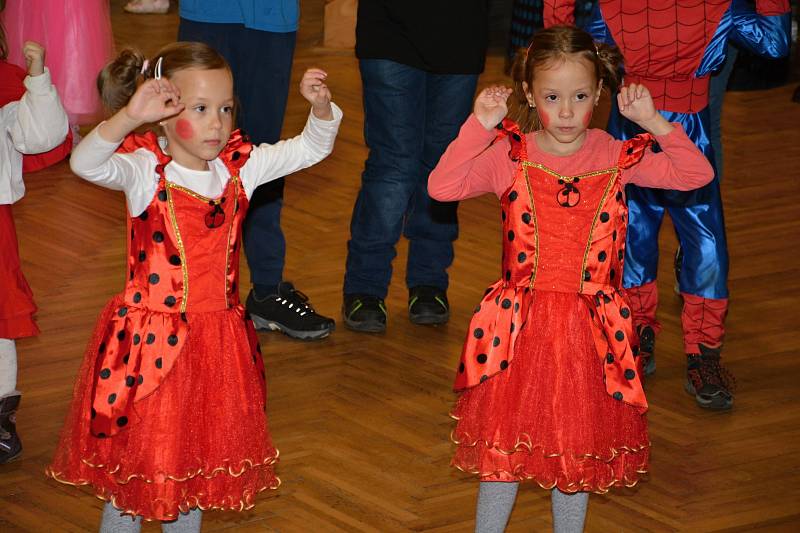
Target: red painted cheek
(587, 118)
(545, 119)
(184, 129)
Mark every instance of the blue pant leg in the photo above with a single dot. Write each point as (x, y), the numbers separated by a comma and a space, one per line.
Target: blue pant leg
(716, 95)
(394, 112)
(645, 214)
(432, 226)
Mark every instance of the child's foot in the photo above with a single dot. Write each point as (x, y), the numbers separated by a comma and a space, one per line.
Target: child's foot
(10, 445)
(364, 313)
(428, 305)
(289, 311)
(647, 348)
(147, 6)
(708, 381)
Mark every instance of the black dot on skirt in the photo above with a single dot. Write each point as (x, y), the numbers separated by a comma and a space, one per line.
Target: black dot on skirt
(112, 398)
(609, 358)
(130, 381)
(619, 335)
(159, 363)
(625, 312)
(151, 338)
(461, 368)
(617, 396)
(105, 373)
(478, 333)
(481, 358)
(503, 364)
(172, 340)
(122, 421)
(630, 374)
(496, 341)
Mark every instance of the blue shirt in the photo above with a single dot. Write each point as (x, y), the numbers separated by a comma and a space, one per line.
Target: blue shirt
(279, 16)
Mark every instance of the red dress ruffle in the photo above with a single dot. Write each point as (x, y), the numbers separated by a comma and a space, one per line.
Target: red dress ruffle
(17, 307)
(548, 417)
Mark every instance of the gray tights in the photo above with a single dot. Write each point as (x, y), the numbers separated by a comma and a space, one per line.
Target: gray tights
(115, 522)
(496, 499)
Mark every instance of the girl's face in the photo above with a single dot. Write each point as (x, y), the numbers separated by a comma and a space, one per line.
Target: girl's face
(564, 93)
(198, 134)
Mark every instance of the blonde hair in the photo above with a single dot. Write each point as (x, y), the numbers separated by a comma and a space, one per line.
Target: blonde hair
(119, 79)
(554, 43)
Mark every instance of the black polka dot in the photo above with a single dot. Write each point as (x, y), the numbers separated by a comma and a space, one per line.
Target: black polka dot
(174, 260)
(122, 311)
(497, 300)
(630, 374)
(93, 414)
(484, 378)
(101, 435)
(496, 341)
(604, 217)
(512, 196)
(503, 364)
(137, 297)
(140, 379)
(625, 312)
(153, 278)
(614, 235)
(506, 303)
(151, 338)
(601, 256)
(105, 373)
(526, 218)
(122, 421)
(609, 358)
(586, 275)
(508, 275)
(169, 301)
(510, 235)
(591, 313)
(461, 368)
(619, 335)
(512, 327)
(144, 215)
(478, 333)
(503, 215)
(101, 348)
(172, 340)
(137, 338)
(522, 257)
(477, 308)
(617, 396)
(159, 363)
(607, 298)
(125, 358)
(142, 255)
(183, 317)
(481, 358)
(121, 335)
(235, 156)
(158, 236)
(162, 195)
(612, 274)
(112, 398)
(516, 307)
(131, 276)
(635, 351)
(130, 381)
(621, 254)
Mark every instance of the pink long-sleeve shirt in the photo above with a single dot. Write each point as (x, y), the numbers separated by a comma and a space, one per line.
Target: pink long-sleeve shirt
(472, 165)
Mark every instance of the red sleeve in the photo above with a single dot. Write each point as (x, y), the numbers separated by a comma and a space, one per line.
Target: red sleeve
(472, 165)
(680, 165)
(772, 7)
(558, 12)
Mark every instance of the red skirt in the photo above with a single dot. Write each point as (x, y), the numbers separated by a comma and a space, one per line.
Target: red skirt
(16, 303)
(199, 441)
(548, 417)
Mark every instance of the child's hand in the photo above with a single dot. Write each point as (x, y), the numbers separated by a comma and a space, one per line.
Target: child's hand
(313, 89)
(154, 100)
(34, 58)
(491, 106)
(636, 104)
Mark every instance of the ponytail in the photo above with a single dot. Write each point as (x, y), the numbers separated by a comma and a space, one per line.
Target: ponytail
(119, 79)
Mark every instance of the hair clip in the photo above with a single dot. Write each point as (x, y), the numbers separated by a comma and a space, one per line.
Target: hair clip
(145, 64)
(596, 50)
(157, 70)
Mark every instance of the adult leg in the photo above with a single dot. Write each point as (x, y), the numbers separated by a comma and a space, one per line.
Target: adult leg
(495, 502)
(393, 125)
(116, 522)
(569, 511)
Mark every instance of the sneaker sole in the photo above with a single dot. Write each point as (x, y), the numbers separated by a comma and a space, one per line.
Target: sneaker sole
(429, 320)
(714, 405)
(262, 324)
(364, 327)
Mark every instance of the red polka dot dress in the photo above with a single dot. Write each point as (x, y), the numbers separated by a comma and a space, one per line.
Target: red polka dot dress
(548, 373)
(169, 408)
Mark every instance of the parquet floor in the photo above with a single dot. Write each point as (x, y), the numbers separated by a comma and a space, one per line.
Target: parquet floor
(362, 421)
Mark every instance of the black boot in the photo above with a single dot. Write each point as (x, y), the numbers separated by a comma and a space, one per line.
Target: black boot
(708, 381)
(10, 445)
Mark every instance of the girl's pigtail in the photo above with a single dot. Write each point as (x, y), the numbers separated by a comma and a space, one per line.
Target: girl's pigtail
(519, 109)
(610, 59)
(120, 78)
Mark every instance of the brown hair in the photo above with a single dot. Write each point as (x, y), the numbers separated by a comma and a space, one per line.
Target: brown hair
(556, 43)
(119, 79)
(3, 43)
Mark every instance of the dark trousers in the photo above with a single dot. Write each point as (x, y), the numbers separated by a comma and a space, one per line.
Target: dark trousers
(261, 62)
(410, 117)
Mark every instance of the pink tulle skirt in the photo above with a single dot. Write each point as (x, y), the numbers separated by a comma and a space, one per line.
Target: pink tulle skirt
(548, 417)
(199, 441)
(78, 41)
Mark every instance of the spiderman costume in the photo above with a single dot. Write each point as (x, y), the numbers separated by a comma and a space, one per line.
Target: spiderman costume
(672, 47)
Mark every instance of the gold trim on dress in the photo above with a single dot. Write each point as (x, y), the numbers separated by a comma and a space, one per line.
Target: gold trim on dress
(525, 165)
(569, 179)
(235, 180)
(614, 173)
(174, 221)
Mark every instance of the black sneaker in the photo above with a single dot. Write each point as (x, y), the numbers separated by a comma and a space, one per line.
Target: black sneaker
(10, 445)
(428, 305)
(288, 311)
(708, 381)
(647, 347)
(363, 312)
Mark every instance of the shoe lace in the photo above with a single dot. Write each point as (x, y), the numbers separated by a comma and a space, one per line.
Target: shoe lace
(712, 372)
(297, 301)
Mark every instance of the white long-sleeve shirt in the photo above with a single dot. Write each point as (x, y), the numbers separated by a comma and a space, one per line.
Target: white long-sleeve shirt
(95, 160)
(34, 124)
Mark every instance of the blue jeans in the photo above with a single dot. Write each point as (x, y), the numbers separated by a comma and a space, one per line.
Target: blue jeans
(410, 117)
(261, 63)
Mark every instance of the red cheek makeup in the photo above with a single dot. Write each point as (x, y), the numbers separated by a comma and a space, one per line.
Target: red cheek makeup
(184, 129)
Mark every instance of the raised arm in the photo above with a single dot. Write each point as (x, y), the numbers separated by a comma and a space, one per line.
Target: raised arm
(764, 31)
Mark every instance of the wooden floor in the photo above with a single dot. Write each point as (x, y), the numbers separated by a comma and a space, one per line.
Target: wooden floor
(362, 420)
